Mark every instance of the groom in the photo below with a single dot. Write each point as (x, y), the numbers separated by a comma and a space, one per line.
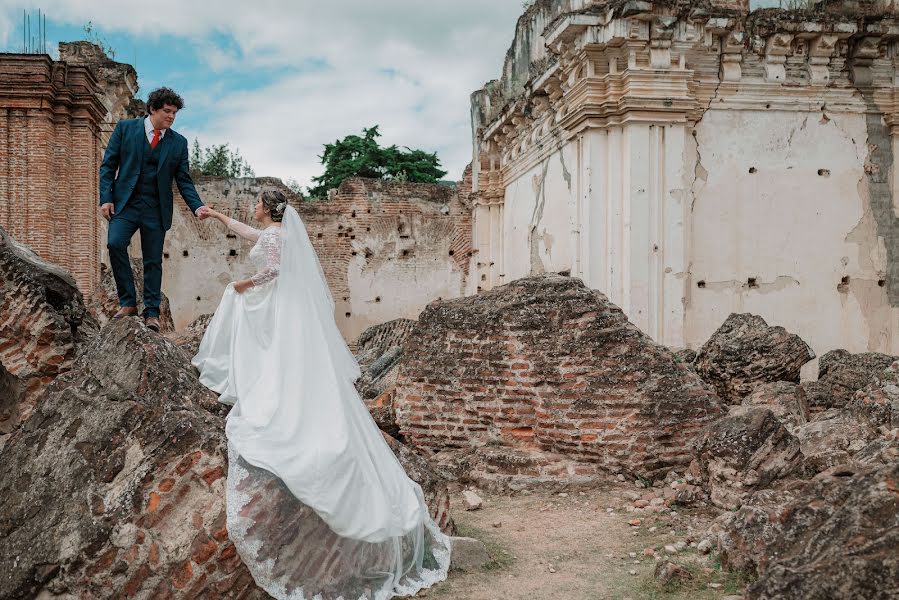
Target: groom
(142, 159)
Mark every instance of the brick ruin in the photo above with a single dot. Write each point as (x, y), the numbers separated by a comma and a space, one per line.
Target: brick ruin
(51, 117)
(387, 249)
(693, 159)
(547, 381)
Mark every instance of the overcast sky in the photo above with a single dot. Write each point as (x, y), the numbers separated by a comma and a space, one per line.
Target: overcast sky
(279, 78)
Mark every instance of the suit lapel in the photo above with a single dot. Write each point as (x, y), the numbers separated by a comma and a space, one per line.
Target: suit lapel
(140, 139)
(165, 145)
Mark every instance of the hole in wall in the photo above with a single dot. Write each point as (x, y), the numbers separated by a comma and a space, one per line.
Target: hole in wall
(339, 227)
(767, 106)
(185, 253)
(347, 315)
(165, 255)
(405, 253)
(377, 298)
(700, 284)
(843, 286)
(452, 252)
(198, 298)
(319, 236)
(753, 170)
(752, 282)
(882, 282)
(824, 172)
(232, 252)
(353, 214)
(354, 253)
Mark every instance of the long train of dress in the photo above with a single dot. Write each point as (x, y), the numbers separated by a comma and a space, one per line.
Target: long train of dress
(318, 505)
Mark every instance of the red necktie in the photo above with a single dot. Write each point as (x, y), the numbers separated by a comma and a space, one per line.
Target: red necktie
(155, 141)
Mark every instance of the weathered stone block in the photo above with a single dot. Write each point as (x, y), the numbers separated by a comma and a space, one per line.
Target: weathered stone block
(745, 352)
(836, 537)
(44, 323)
(747, 450)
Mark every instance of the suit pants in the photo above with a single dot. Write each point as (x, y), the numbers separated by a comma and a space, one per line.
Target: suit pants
(140, 215)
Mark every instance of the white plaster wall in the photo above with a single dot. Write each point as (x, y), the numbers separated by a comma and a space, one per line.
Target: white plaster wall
(538, 217)
(793, 230)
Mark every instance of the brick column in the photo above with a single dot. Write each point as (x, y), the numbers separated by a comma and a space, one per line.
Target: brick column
(49, 155)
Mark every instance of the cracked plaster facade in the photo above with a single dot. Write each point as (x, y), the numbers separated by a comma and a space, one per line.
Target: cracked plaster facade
(696, 159)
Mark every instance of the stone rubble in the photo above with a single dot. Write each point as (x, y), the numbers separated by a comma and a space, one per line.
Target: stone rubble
(44, 326)
(745, 351)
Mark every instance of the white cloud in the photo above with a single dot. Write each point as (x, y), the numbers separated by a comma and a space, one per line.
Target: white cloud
(407, 65)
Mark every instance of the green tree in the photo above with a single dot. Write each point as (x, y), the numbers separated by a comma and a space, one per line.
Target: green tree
(218, 161)
(362, 156)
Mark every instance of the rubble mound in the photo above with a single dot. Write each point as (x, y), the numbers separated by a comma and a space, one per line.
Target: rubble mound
(835, 537)
(786, 400)
(552, 381)
(43, 326)
(841, 374)
(745, 352)
(747, 450)
(104, 300)
(189, 339)
(379, 350)
(139, 507)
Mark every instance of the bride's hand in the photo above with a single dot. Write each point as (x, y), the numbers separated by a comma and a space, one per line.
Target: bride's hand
(243, 285)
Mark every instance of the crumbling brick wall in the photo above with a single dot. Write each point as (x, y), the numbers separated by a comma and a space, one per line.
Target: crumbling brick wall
(50, 151)
(387, 249)
(547, 366)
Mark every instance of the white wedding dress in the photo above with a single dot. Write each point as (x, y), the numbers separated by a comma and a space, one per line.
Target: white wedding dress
(318, 506)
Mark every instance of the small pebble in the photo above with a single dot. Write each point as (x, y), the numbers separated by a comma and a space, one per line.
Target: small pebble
(632, 572)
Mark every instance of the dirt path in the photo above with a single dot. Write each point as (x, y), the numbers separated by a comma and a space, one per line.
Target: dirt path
(561, 547)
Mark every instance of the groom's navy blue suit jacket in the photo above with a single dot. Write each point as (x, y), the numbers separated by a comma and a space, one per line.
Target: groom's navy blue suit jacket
(122, 162)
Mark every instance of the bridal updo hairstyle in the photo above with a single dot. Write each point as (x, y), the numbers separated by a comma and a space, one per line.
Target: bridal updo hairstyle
(276, 203)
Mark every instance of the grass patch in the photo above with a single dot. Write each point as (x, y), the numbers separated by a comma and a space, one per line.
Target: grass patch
(732, 582)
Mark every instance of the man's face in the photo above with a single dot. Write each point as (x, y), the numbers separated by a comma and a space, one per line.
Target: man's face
(163, 117)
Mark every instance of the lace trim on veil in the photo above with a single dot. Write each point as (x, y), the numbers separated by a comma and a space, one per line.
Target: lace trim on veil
(263, 570)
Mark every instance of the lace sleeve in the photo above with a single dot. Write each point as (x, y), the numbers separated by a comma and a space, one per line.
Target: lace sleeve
(271, 247)
(243, 230)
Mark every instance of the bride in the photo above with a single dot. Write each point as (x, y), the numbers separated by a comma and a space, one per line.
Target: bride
(318, 506)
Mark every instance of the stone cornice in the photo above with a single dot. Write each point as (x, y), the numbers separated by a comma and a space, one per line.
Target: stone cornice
(652, 66)
(35, 82)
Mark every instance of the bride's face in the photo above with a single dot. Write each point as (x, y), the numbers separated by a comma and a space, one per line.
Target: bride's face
(259, 213)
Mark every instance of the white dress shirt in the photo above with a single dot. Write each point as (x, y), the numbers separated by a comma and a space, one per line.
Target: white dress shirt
(148, 127)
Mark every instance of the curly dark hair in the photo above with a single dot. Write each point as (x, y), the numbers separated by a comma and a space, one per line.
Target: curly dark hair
(162, 96)
(275, 202)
